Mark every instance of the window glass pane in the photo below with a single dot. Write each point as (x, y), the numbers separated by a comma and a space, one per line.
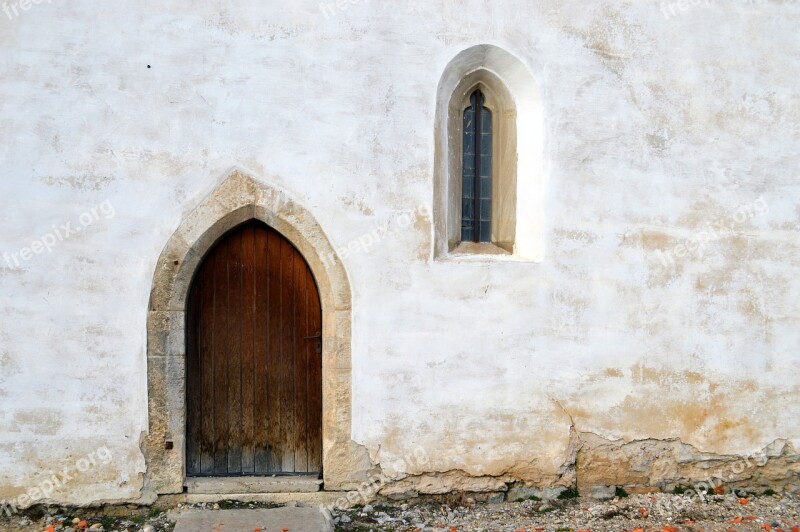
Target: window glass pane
(486, 210)
(467, 210)
(476, 212)
(486, 188)
(467, 187)
(486, 232)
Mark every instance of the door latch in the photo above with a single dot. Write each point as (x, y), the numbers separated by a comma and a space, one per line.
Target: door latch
(318, 338)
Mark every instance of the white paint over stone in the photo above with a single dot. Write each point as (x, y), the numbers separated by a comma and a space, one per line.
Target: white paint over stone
(657, 124)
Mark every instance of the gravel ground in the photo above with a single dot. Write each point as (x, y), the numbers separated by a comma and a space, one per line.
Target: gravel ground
(658, 512)
(637, 513)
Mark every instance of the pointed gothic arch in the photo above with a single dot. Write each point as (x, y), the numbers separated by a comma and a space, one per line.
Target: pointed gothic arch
(238, 199)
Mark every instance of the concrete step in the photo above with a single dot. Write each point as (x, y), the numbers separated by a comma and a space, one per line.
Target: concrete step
(292, 519)
(222, 485)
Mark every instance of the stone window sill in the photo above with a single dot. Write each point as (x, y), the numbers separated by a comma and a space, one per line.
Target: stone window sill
(481, 252)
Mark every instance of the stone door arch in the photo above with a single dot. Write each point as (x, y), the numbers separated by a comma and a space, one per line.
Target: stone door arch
(237, 199)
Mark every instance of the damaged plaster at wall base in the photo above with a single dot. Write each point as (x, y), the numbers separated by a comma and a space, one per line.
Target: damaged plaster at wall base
(595, 466)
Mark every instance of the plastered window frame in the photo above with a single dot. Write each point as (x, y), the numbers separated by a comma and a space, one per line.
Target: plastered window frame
(518, 201)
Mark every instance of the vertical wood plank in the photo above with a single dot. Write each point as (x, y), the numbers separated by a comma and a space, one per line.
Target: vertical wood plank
(234, 352)
(193, 381)
(248, 349)
(314, 388)
(287, 356)
(260, 398)
(274, 456)
(301, 345)
(220, 360)
(206, 353)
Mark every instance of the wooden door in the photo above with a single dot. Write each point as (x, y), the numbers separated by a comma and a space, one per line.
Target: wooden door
(254, 370)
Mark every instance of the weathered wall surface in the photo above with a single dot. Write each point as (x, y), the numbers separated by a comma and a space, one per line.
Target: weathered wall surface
(666, 306)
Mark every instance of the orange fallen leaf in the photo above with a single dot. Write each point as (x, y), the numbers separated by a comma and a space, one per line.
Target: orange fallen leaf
(743, 501)
(639, 530)
(642, 513)
(688, 522)
(50, 528)
(751, 518)
(256, 530)
(83, 525)
(737, 520)
(795, 529)
(669, 529)
(766, 526)
(719, 490)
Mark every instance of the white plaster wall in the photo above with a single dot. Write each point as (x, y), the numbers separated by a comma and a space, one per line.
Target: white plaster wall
(657, 125)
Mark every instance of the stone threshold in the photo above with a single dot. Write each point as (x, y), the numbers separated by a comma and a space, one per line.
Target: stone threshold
(324, 498)
(234, 485)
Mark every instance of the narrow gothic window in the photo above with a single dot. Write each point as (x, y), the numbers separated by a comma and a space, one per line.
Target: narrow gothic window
(488, 106)
(476, 178)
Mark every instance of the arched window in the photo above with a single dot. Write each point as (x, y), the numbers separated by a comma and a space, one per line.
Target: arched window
(489, 180)
(476, 171)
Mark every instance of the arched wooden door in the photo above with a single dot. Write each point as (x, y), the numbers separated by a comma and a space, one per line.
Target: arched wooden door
(254, 368)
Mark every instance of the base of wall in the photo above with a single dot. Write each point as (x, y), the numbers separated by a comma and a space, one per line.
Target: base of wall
(596, 467)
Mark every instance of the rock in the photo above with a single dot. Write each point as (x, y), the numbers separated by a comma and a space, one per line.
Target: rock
(96, 526)
(520, 491)
(216, 506)
(148, 528)
(345, 519)
(368, 509)
(496, 498)
(601, 492)
(76, 520)
(403, 495)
